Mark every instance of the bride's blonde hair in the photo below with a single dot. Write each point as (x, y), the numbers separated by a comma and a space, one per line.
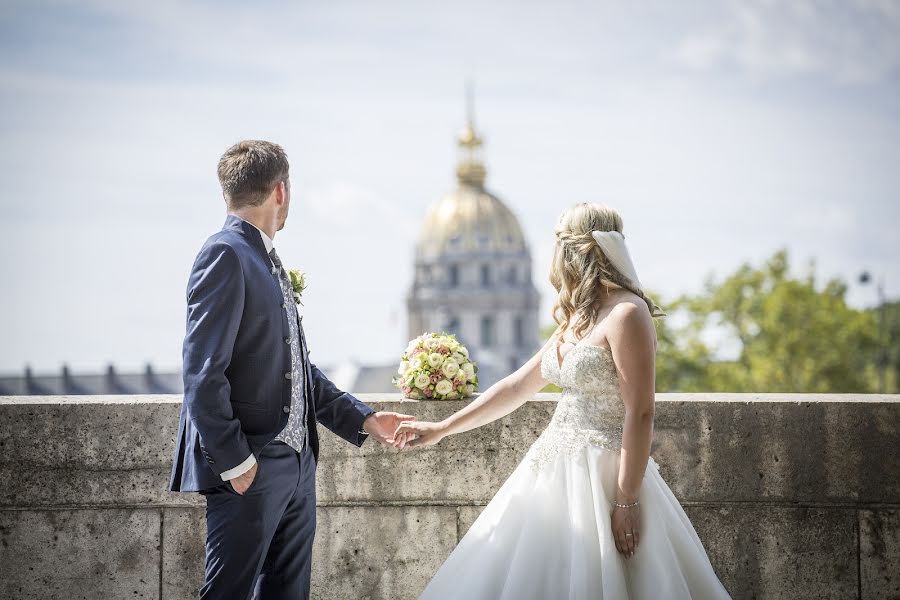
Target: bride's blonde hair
(580, 270)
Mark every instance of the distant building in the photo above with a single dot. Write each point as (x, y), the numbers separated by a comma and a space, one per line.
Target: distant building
(66, 383)
(473, 272)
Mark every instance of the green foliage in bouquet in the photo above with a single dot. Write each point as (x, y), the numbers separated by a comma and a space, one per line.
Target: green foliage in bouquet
(435, 366)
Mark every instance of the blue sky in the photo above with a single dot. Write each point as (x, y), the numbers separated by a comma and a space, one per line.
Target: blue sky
(720, 131)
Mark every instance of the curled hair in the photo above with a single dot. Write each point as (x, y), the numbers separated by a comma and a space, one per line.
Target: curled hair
(580, 269)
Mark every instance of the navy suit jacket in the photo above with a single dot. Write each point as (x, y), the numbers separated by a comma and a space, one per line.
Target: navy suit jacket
(236, 395)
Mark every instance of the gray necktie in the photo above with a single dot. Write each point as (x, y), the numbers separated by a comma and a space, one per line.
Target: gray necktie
(294, 433)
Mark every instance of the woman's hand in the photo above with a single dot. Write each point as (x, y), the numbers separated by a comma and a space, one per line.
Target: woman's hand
(625, 528)
(419, 433)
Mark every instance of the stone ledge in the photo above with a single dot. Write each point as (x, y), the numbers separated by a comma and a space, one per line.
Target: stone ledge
(118, 450)
(784, 490)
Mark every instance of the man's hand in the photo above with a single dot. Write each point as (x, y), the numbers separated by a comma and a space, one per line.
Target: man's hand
(381, 425)
(242, 482)
(423, 433)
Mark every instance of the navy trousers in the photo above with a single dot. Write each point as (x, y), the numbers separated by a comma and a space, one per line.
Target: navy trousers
(261, 542)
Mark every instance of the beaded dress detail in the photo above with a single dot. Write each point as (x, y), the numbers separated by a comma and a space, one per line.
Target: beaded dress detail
(546, 534)
(590, 410)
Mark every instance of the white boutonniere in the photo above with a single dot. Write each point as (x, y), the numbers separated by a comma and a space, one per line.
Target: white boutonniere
(298, 283)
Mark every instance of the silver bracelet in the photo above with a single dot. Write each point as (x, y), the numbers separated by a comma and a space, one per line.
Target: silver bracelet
(635, 503)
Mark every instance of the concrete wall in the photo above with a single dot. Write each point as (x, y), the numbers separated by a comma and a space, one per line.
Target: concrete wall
(794, 496)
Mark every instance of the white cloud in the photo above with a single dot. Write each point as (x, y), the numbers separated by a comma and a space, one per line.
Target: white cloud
(854, 41)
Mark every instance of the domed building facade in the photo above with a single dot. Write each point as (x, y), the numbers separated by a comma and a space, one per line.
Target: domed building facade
(473, 272)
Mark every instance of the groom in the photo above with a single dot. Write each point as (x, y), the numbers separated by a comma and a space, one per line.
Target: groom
(247, 435)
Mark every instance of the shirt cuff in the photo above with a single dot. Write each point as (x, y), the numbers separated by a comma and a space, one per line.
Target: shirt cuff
(240, 469)
(361, 430)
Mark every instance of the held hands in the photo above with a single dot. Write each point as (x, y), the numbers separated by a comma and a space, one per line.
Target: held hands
(383, 425)
(423, 433)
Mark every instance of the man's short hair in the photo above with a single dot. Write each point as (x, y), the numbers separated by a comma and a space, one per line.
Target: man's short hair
(249, 171)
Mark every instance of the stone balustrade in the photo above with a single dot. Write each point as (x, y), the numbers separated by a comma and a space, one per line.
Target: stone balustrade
(793, 495)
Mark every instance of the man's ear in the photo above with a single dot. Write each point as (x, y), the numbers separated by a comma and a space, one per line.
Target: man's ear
(280, 193)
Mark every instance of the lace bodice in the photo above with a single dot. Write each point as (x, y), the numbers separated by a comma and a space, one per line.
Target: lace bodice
(590, 410)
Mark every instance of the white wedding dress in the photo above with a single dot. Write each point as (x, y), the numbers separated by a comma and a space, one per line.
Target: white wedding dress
(546, 534)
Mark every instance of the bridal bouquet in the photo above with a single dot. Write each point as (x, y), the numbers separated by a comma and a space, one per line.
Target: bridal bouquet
(437, 367)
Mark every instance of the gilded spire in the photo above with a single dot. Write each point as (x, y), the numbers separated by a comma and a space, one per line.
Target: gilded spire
(470, 170)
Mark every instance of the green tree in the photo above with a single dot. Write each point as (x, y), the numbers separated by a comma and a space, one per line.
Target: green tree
(792, 336)
(889, 326)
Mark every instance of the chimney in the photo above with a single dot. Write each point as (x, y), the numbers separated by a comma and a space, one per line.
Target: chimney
(110, 379)
(149, 380)
(67, 387)
(29, 381)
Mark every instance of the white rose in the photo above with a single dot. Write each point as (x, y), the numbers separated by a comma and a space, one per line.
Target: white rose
(435, 360)
(422, 380)
(404, 365)
(412, 346)
(470, 389)
(450, 368)
(464, 351)
(458, 358)
(469, 370)
(443, 387)
(432, 343)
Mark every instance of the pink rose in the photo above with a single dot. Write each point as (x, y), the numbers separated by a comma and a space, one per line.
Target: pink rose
(444, 350)
(428, 392)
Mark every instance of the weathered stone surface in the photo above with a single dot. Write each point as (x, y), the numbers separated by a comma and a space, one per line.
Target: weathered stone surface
(183, 551)
(711, 447)
(111, 450)
(780, 552)
(86, 477)
(79, 554)
(379, 553)
(781, 447)
(879, 549)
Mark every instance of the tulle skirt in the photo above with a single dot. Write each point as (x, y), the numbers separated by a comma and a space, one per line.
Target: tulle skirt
(546, 535)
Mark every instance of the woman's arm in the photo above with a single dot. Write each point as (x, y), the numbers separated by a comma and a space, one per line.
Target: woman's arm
(632, 340)
(496, 402)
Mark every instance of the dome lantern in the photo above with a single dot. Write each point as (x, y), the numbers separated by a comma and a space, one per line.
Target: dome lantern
(470, 170)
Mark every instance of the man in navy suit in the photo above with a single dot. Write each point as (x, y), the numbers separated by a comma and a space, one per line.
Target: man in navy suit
(247, 435)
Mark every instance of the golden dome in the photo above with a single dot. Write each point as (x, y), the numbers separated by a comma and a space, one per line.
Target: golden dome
(469, 220)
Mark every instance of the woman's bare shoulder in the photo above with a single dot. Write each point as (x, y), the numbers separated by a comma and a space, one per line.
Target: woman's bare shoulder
(629, 318)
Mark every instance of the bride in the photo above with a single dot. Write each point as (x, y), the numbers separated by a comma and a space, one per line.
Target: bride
(586, 514)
